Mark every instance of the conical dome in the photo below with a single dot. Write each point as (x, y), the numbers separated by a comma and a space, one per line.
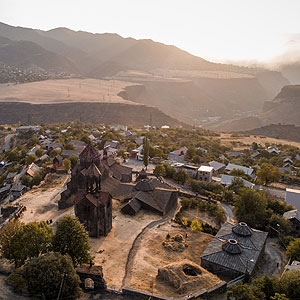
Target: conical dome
(144, 185)
(242, 229)
(89, 154)
(232, 247)
(93, 171)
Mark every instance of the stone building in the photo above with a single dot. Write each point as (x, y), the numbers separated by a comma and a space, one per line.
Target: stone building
(235, 250)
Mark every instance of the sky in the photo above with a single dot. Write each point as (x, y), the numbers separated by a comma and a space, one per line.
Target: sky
(218, 30)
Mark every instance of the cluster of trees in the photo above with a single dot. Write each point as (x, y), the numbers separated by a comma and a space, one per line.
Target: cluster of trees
(284, 287)
(168, 171)
(47, 256)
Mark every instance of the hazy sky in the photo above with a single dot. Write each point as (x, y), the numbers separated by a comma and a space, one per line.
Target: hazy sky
(213, 29)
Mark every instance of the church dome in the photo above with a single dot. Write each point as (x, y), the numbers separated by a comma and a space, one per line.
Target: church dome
(144, 185)
(242, 229)
(89, 154)
(232, 247)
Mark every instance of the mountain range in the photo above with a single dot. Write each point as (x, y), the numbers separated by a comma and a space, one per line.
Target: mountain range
(188, 88)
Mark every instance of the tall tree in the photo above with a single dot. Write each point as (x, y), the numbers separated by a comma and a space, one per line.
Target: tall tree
(50, 274)
(71, 238)
(268, 173)
(146, 149)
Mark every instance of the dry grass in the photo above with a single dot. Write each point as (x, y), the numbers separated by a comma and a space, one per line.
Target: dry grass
(151, 255)
(226, 140)
(64, 91)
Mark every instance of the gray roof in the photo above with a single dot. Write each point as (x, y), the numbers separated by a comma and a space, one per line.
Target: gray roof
(223, 253)
(248, 171)
(227, 180)
(216, 165)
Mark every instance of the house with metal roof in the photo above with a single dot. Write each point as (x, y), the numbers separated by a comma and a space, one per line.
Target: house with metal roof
(294, 217)
(292, 196)
(205, 173)
(235, 250)
(248, 171)
(227, 180)
(217, 166)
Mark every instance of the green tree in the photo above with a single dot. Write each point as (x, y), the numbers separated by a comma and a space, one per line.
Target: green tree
(37, 178)
(181, 176)
(74, 160)
(30, 159)
(250, 207)
(45, 275)
(71, 238)
(31, 240)
(170, 171)
(236, 184)
(6, 235)
(53, 153)
(293, 249)
(241, 292)
(289, 284)
(86, 139)
(26, 180)
(237, 172)
(69, 146)
(268, 173)
(67, 164)
(159, 170)
(13, 155)
(146, 149)
(39, 152)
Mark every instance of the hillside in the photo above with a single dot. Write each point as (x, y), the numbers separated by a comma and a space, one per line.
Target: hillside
(211, 90)
(27, 55)
(284, 109)
(109, 113)
(288, 132)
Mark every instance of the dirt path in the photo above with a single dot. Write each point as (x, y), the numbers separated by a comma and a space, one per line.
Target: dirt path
(6, 293)
(41, 203)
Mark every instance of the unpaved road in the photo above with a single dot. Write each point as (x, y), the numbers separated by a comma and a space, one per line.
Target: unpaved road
(6, 293)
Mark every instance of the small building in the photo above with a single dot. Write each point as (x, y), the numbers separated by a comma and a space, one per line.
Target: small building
(11, 178)
(33, 150)
(112, 144)
(32, 170)
(226, 180)
(190, 170)
(67, 153)
(118, 127)
(235, 250)
(294, 266)
(205, 173)
(218, 168)
(17, 191)
(273, 150)
(294, 217)
(178, 155)
(248, 171)
(94, 210)
(91, 272)
(4, 190)
(27, 128)
(234, 154)
(292, 197)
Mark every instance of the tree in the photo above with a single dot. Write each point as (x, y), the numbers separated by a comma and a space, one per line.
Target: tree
(37, 178)
(241, 292)
(31, 240)
(181, 176)
(159, 170)
(6, 235)
(236, 184)
(289, 284)
(26, 180)
(196, 159)
(69, 146)
(86, 139)
(47, 274)
(13, 155)
(278, 296)
(74, 160)
(293, 249)
(237, 172)
(146, 148)
(250, 207)
(53, 153)
(196, 225)
(39, 152)
(268, 173)
(67, 164)
(30, 159)
(71, 238)
(170, 171)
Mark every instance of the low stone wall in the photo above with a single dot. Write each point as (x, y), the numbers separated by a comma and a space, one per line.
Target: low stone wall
(217, 289)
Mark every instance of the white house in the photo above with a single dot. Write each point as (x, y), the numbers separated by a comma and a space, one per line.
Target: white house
(292, 197)
(205, 173)
(273, 150)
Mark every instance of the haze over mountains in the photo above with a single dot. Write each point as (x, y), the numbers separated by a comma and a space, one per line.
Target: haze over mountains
(186, 87)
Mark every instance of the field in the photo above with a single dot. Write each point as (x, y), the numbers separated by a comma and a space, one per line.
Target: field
(228, 138)
(64, 91)
(151, 255)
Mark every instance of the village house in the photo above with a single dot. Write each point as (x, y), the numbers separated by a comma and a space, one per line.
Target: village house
(226, 180)
(292, 196)
(118, 127)
(27, 128)
(33, 150)
(178, 155)
(190, 170)
(234, 154)
(112, 144)
(67, 153)
(248, 171)
(234, 251)
(218, 168)
(205, 173)
(294, 217)
(273, 150)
